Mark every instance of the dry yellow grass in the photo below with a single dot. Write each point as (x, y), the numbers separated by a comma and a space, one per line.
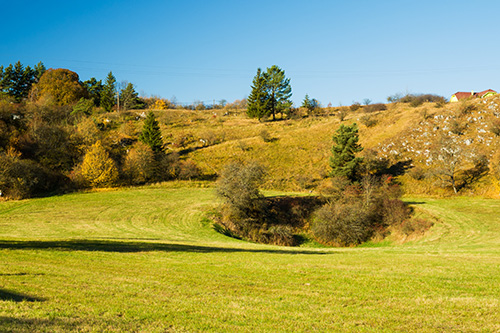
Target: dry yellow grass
(296, 151)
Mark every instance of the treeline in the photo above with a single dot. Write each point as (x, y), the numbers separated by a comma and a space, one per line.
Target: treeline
(16, 80)
(57, 134)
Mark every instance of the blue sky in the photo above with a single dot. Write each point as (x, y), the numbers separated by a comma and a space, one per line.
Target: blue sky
(335, 51)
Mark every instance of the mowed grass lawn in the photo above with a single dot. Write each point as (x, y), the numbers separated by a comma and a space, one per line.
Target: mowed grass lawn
(144, 260)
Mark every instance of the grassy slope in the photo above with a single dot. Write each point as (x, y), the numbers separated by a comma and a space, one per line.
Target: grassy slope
(142, 259)
(298, 156)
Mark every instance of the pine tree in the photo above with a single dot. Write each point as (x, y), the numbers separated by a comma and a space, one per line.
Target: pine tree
(257, 102)
(39, 70)
(151, 133)
(129, 97)
(343, 160)
(2, 78)
(278, 89)
(94, 89)
(7, 80)
(306, 103)
(108, 93)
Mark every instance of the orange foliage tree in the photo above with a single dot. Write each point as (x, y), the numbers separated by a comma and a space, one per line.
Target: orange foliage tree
(58, 87)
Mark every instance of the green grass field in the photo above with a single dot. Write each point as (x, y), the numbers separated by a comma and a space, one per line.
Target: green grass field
(143, 260)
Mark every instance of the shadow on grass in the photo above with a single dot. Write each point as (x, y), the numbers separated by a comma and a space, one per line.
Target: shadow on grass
(130, 247)
(12, 324)
(415, 202)
(7, 295)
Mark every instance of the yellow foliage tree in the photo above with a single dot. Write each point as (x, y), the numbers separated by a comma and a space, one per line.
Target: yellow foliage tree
(98, 169)
(139, 164)
(159, 105)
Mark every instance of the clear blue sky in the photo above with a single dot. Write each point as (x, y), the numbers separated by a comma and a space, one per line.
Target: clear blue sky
(335, 51)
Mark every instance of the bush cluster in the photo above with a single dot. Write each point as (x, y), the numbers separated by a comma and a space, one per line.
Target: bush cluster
(417, 99)
(247, 214)
(356, 212)
(374, 107)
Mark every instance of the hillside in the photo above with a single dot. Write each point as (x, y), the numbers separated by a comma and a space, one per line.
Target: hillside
(296, 151)
(419, 141)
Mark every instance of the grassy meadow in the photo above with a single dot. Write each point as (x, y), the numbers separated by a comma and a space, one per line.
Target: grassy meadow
(146, 260)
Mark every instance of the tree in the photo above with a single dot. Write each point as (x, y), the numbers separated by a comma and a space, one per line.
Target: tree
(108, 93)
(278, 89)
(258, 101)
(310, 104)
(3, 81)
(94, 89)
(59, 86)
(140, 164)
(238, 185)
(129, 97)
(39, 70)
(21, 81)
(151, 133)
(455, 164)
(16, 81)
(83, 107)
(343, 161)
(97, 168)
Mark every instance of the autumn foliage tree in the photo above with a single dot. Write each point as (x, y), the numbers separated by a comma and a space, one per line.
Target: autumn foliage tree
(97, 168)
(58, 87)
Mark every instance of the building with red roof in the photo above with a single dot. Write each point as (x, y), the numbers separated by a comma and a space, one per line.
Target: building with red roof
(464, 95)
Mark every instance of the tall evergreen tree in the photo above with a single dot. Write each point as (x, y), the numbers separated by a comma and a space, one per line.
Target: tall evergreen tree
(258, 102)
(94, 89)
(278, 89)
(39, 70)
(108, 93)
(343, 160)
(129, 97)
(7, 80)
(151, 133)
(16, 81)
(2, 75)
